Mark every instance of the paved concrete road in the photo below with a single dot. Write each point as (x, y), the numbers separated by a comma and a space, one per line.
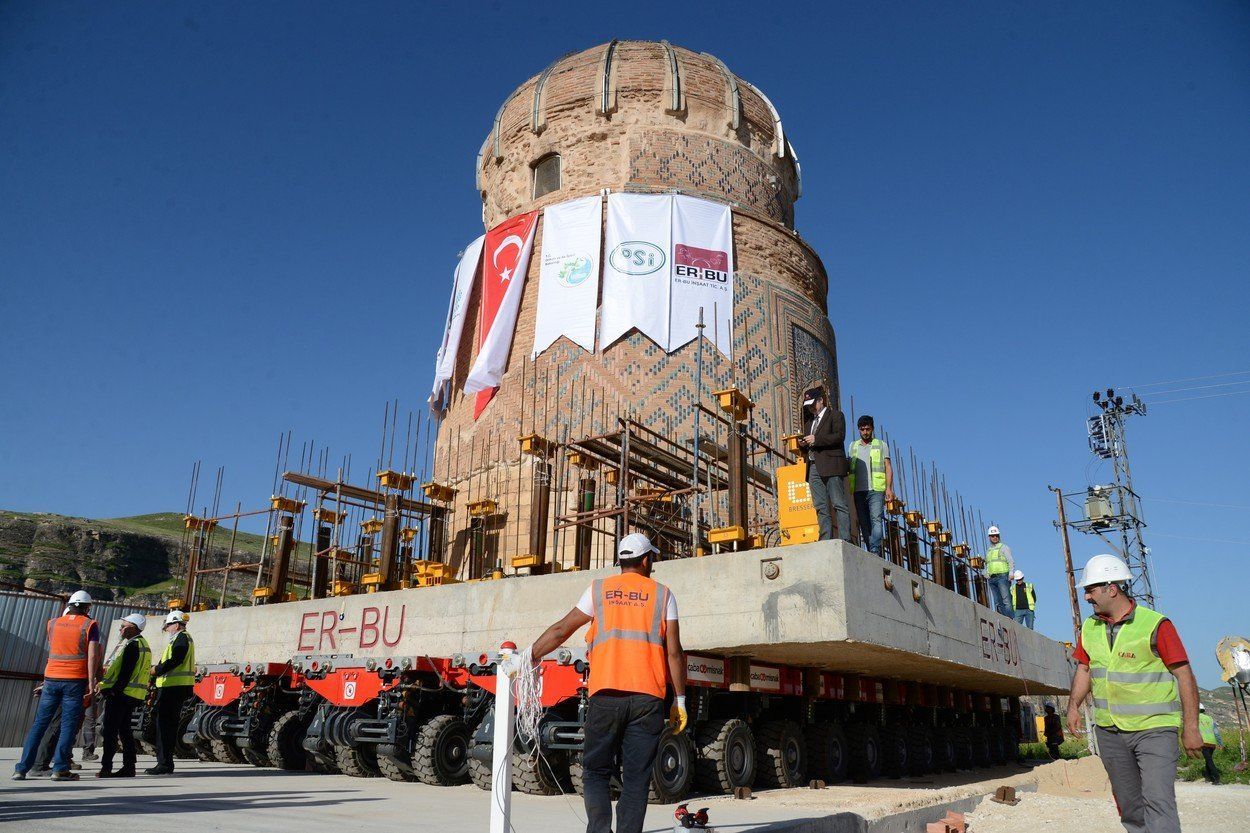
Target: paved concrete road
(202, 797)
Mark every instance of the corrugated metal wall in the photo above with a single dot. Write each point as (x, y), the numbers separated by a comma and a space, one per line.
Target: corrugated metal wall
(24, 650)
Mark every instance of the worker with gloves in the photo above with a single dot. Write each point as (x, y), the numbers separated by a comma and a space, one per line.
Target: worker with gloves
(125, 685)
(998, 569)
(175, 677)
(1211, 741)
(1133, 661)
(69, 679)
(1023, 599)
(635, 653)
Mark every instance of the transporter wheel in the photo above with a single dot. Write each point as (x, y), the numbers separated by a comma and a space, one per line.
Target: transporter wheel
(536, 774)
(575, 773)
(980, 740)
(998, 751)
(440, 753)
(779, 754)
(394, 770)
(726, 757)
(479, 773)
(827, 753)
(864, 744)
(1011, 744)
(672, 774)
(203, 751)
(328, 767)
(256, 758)
(943, 750)
(226, 752)
(182, 750)
(894, 760)
(962, 740)
(359, 763)
(285, 748)
(919, 750)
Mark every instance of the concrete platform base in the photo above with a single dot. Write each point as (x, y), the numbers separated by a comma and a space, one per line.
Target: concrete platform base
(823, 605)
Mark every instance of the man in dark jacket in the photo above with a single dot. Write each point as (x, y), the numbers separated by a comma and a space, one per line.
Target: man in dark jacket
(175, 675)
(824, 440)
(125, 685)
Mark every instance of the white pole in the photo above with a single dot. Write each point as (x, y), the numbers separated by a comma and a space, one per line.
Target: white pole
(505, 726)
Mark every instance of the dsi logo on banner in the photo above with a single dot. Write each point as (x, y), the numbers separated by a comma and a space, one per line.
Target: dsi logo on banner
(573, 270)
(701, 264)
(637, 258)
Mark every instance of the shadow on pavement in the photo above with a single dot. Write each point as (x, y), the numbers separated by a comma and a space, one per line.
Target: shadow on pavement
(145, 804)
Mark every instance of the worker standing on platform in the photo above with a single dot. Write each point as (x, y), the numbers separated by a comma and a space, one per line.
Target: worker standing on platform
(175, 675)
(998, 569)
(1052, 730)
(824, 443)
(871, 481)
(1211, 741)
(1144, 694)
(69, 679)
(125, 685)
(1023, 599)
(635, 653)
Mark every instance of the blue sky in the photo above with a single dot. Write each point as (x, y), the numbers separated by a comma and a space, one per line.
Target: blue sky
(205, 207)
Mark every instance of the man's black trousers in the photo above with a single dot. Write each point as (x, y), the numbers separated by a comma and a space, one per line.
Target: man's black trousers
(168, 709)
(118, 709)
(627, 728)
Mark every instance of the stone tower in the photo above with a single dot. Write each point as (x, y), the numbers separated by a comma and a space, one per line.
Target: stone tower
(646, 117)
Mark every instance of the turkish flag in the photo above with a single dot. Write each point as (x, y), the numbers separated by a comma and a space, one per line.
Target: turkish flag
(505, 258)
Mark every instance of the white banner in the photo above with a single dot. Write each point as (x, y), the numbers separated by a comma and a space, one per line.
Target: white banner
(703, 273)
(568, 277)
(462, 285)
(492, 358)
(636, 267)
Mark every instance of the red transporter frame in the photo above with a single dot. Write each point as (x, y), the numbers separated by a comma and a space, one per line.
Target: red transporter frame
(249, 711)
(409, 718)
(777, 726)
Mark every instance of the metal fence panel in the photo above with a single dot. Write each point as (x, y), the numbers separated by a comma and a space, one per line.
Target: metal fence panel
(24, 650)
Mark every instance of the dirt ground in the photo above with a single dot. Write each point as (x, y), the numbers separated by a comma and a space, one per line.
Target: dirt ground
(1078, 790)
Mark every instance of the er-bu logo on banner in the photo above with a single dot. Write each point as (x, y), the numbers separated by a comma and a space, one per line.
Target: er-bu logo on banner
(704, 264)
(636, 257)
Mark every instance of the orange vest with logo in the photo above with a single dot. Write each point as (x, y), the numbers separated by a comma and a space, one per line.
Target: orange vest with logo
(67, 648)
(626, 639)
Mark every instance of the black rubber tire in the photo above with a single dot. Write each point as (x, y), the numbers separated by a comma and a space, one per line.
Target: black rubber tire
(575, 773)
(863, 742)
(979, 737)
(919, 750)
(894, 762)
(255, 758)
(538, 775)
(998, 752)
(149, 748)
(944, 759)
(358, 763)
(394, 770)
(962, 739)
(672, 775)
(285, 747)
(479, 773)
(226, 752)
(327, 767)
(780, 757)
(828, 756)
(440, 751)
(1011, 744)
(185, 751)
(726, 755)
(204, 751)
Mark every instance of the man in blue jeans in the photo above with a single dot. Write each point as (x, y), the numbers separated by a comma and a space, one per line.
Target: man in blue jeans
(69, 680)
(823, 444)
(999, 565)
(871, 481)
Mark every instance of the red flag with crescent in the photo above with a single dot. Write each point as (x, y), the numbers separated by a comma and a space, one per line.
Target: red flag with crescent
(505, 258)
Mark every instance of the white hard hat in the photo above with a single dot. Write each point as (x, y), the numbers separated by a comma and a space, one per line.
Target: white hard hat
(1017, 575)
(136, 619)
(82, 597)
(1201, 707)
(634, 545)
(1103, 569)
(175, 617)
(993, 530)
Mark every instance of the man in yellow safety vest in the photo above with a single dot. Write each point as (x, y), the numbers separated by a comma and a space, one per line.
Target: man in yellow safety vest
(1023, 599)
(871, 480)
(125, 685)
(998, 569)
(1211, 741)
(1132, 660)
(175, 676)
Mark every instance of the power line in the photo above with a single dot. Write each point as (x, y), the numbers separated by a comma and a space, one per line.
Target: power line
(1200, 387)
(1191, 379)
(1199, 503)
(1204, 540)
(1191, 398)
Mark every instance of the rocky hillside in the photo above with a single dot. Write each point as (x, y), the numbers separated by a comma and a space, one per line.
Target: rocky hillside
(137, 558)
